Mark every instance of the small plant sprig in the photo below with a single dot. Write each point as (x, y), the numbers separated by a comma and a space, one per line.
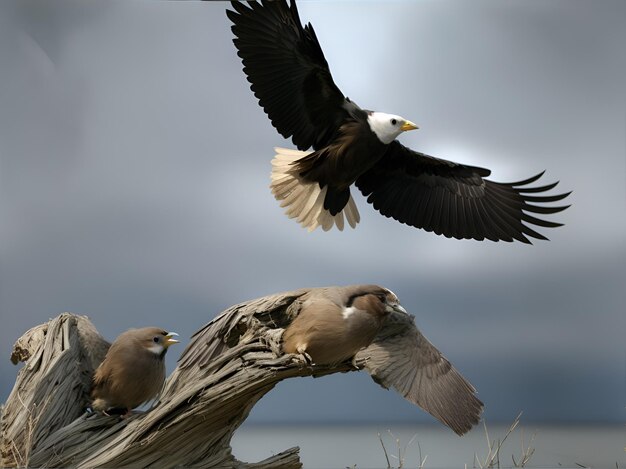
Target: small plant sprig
(401, 457)
(492, 459)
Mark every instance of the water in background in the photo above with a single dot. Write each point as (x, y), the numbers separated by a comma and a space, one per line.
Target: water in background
(342, 446)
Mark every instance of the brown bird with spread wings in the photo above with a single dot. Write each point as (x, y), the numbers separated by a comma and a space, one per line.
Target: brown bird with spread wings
(329, 327)
(133, 370)
(367, 322)
(290, 77)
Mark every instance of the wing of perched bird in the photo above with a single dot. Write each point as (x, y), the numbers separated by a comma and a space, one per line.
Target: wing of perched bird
(403, 359)
(289, 75)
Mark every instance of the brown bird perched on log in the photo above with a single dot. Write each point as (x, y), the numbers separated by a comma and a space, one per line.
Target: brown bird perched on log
(367, 323)
(289, 75)
(133, 370)
(333, 326)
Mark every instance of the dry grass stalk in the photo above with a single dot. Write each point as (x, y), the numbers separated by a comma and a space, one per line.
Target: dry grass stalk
(401, 457)
(527, 451)
(382, 443)
(494, 447)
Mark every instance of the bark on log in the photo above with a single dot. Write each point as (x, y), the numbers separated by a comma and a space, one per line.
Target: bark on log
(227, 367)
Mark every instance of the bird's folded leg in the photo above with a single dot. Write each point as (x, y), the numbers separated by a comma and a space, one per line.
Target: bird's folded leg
(359, 362)
(355, 364)
(305, 356)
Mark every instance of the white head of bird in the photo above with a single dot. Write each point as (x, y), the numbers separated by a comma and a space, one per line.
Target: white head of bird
(388, 126)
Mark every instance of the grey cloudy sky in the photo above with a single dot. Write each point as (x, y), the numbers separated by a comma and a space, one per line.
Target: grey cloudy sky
(134, 173)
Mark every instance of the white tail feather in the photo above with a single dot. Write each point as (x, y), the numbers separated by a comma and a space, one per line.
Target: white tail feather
(304, 200)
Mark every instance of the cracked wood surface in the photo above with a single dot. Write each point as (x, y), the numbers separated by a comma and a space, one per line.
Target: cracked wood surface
(227, 367)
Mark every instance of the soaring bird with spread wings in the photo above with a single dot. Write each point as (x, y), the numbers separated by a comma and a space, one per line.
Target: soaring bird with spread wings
(289, 75)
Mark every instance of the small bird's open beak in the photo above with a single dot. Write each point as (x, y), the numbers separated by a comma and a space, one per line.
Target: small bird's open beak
(408, 125)
(168, 339)
(397, 307)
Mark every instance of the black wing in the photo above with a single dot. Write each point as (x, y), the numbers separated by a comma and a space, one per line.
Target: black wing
(288, 72)
(455, 200)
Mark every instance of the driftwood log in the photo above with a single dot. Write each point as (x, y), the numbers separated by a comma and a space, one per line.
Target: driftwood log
(227, 367)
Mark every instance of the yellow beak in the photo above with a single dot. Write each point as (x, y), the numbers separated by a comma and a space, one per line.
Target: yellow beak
(408, 125)
(168, 339)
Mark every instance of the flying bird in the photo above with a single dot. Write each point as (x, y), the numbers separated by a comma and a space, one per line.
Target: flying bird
(340, 144)
(336, 324)
(133, 370)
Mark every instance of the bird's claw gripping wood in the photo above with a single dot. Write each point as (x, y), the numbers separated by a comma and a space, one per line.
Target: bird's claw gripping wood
(303, 359)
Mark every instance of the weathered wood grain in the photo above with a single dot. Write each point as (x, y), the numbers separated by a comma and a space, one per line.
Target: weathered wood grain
(229, 365)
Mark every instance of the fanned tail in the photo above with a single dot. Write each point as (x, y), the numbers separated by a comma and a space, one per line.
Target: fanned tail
(304, 200)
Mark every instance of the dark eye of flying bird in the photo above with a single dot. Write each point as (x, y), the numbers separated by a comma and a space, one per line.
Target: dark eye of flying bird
(340, 144)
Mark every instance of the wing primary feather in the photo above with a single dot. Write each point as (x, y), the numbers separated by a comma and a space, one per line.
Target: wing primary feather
(544, 210)
(420, 208)
(435, 221)
(509, 224)
(539, 222)
(465, 225)
(530, 180)
(484, 220)
(453, 227)
(546, 198)
(406, 205)
(534, 234)
(428, 210)
(531, 190)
